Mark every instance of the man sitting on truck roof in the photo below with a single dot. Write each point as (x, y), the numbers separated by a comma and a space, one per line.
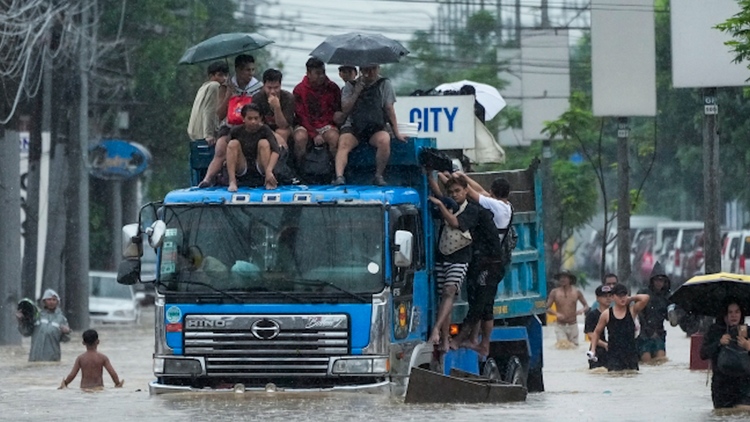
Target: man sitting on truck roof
(253, 142)
(453, 252)
(242, 84)
(316, 100)
(368, 107)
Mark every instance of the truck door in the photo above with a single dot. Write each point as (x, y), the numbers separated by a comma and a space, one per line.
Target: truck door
(409, 286)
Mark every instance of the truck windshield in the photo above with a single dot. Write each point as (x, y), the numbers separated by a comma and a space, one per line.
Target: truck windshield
(273, 248)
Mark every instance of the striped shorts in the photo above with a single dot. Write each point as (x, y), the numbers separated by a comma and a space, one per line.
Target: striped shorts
(450, 273)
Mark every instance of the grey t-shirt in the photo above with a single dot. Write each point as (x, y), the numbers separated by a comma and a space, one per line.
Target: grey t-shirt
(386, 93)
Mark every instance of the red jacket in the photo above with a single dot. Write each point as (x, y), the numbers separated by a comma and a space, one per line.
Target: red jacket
(314, 106)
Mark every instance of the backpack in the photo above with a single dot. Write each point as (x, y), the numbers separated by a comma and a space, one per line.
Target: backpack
(509, 242)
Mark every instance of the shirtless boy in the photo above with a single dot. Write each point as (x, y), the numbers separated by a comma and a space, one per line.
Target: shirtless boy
(91, 364)
(566, 297)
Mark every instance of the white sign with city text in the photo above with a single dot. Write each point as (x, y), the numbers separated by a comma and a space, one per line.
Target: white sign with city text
(447, 118)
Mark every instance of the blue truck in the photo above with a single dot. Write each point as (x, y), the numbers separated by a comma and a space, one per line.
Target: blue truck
(324, 287)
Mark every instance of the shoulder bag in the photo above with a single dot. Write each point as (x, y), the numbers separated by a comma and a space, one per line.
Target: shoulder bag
(453, 239)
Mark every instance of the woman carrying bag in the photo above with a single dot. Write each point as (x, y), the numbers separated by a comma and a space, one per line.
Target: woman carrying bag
(727, 346)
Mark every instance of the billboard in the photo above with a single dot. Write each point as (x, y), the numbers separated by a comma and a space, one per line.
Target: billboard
(699, 57)
(545, 78)
(447, 118)
(623, 58)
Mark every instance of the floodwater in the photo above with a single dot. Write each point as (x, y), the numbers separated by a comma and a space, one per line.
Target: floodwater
(666, 392)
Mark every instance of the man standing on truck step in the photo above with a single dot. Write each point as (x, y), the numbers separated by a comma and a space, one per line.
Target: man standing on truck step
(242, 85)
(367, 105)
(486, 269)
(565, 297)
(453, 252)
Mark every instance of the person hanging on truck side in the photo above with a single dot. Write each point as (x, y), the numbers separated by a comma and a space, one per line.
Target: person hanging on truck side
(486, 269)
(238, 90)
(368, 107)
(252, 144)
(454, 250)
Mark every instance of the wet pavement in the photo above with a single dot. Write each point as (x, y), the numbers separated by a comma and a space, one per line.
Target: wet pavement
(666, 392)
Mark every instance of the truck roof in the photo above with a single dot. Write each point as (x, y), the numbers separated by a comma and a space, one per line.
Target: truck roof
(346, 194)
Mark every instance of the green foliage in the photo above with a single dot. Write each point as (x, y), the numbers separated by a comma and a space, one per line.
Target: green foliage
(738, 26)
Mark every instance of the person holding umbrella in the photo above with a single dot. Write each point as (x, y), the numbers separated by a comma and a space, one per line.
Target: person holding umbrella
(730, 387)
(368, 107)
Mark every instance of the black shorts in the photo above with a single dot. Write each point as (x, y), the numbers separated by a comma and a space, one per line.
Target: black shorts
(481, 288)
(364, 134)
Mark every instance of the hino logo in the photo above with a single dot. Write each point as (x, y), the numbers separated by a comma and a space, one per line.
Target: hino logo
(265, 329)
(206, 323)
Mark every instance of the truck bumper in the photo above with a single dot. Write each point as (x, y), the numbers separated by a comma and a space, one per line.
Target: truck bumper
(382, 387)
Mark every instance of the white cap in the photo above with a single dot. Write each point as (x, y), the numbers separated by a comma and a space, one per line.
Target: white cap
(49, 294)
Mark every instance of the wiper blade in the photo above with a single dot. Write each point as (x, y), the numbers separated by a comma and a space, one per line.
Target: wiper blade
(278, 292)
(200, 283)
(334, 286)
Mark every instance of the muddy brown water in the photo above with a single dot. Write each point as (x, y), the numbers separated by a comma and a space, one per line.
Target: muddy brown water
(28, 391)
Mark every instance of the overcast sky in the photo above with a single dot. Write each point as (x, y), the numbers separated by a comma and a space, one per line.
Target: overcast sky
(298, 26)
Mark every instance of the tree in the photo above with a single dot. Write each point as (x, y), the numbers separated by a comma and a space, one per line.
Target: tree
(738, 26)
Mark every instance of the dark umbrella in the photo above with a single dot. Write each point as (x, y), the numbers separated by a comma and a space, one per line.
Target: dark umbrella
(357, 49)
(223, 45)
(706, 294)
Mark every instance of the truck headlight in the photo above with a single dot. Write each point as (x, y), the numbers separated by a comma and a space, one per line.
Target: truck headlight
(182, 367)
(368, 365)
(158, 365)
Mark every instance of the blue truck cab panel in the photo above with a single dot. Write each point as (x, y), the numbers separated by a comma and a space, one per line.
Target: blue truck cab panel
(297, 287)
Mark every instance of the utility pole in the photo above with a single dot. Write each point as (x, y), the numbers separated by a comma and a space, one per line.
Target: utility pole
(10, 238)
(712, 237)
(77, 235)
(545, 14)
(623, 202)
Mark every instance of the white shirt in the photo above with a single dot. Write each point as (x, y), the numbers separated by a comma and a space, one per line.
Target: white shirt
(500, 210)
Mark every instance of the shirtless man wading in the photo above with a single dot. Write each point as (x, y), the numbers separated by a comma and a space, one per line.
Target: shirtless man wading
(566, 297)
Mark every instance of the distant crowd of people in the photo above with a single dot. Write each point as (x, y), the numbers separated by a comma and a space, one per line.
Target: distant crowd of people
(259, 129)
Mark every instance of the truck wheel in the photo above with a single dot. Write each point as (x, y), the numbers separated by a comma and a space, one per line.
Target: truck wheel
(535, 382)
(490, 370)
(515, 372)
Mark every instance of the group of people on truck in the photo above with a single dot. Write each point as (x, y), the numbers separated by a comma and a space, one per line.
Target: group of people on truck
(473, 232)
(259, 129)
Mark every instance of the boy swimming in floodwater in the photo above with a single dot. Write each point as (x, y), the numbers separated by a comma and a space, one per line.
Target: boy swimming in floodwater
(91, 364)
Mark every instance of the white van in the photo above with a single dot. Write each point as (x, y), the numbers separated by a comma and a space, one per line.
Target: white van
(640, 226)
(730, 251)
(672, 240)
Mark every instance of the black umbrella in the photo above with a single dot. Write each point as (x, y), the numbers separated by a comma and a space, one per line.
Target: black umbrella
(223, 45)
(357, 49)
(706, 294)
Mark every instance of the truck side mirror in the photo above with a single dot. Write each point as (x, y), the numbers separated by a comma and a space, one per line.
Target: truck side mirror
(402, 250)
(155, 233)
(131, 242)
(129, 271)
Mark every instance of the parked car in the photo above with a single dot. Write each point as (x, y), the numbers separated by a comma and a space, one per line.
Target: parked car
(694, 258)
(681, 235)
(111, 302)
(730, 250)
(640, 226)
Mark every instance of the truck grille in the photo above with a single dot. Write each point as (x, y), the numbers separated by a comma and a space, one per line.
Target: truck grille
(266, 345)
